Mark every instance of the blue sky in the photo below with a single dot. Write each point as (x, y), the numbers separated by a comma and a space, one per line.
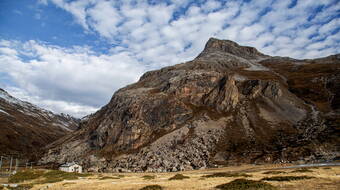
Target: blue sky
(70, 56)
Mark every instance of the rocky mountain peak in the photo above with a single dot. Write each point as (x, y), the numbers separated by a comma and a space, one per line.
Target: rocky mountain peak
(230, 105)
(231, 47)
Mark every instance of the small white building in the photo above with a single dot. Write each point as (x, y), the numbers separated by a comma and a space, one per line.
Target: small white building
(71, 167)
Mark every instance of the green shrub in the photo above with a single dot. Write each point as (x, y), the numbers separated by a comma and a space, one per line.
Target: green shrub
(25, 175)
(227, 174)
(152, 187)
(286, 178)
(302, 170)
(148, 177)
(50, 176)
(56, 176)
(274, 172)
(179, 177)
(244, 184)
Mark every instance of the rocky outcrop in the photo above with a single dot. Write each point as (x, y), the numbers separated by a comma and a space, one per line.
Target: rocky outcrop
(25, 128)
(230, 105)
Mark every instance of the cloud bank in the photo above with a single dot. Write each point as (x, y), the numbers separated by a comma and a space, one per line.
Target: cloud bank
(76, 81)
(145, 35)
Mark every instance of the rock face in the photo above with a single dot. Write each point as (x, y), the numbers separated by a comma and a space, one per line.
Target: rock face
(230, 105)
(25, 128)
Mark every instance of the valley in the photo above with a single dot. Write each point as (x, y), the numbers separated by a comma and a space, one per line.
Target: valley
(279, 177)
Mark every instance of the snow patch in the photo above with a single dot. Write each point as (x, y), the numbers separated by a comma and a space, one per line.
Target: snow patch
(238, 77)
(62, 126)
(8, 98)
(256, 67)
(2, 111)
(34, 111)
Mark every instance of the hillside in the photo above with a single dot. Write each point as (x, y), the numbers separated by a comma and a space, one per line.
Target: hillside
(230, 105)
(26, 128)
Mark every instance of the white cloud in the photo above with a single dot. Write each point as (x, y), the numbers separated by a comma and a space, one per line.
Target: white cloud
(154, 28)
(330, 26)
(211, 6)
(77, 76)
(76, 8)
(58, 106)
(103, 18)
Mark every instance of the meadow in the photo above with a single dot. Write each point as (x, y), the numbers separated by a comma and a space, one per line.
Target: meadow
(265, 177)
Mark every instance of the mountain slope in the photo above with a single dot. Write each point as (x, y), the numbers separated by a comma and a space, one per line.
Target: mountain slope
(231, 104)
(25, 128)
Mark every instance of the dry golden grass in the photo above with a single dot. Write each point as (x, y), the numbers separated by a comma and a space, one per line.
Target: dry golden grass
(325, 179)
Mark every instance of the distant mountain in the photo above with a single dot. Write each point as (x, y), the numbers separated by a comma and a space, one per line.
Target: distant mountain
(230, 105)
(26, 128)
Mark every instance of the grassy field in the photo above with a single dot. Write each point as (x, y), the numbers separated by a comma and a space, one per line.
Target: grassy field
(266, 177)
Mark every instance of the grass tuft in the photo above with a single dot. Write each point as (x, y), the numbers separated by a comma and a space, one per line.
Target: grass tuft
(25, 175)
(148, 177)
(179, 177)
(274, 172)
(54, 176)
(49, 177)
(152, 187)
(286, 178)
(244, 184)
(227, 174)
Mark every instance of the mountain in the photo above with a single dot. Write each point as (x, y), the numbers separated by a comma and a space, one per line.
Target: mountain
(230, 105)
(25, 128)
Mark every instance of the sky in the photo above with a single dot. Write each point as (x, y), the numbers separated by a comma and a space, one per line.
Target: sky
(70, 56)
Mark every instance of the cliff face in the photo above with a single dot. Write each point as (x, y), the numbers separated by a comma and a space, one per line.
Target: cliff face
(231, 104)
(26, 128)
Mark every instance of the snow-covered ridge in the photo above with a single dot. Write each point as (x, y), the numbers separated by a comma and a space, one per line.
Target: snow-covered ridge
(61, 120)
(2, 111)
(4, 95)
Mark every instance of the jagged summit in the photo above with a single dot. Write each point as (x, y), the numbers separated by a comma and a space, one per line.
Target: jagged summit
(231, 55)
(231, 47)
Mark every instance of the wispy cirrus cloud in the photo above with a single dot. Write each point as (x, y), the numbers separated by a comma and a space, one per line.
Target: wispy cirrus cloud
(144, 35)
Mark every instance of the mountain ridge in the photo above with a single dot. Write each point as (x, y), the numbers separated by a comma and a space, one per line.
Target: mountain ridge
(26, 128)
